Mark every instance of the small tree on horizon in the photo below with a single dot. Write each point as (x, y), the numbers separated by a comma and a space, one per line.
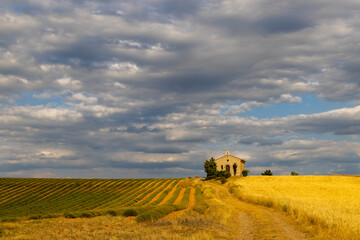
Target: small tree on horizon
(267, 173)
(210, 168)
(245, 172)
(293, 173)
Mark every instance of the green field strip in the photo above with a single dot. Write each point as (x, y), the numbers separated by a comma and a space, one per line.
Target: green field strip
(28, 209)
(130, 193)
(108, 200)
(29, 196)
(74, 202)
(151, 212)
(70, 200)
(126, 198)
(99, 185)
(13, 193)
(165, 193)
(15, 182)
(173, 197)
(18, 187)
(31, 204)
(9, 186)
(55, 204)
(6, 187)
(114, 199)
(200, 205)
(18, 197)
(54, 189)
(24, 205)
(144, 193)
(35, 186)
(185, 200)
(38, 192)
(152, 195)
(55, 196)
(32, 187)
(94, 200)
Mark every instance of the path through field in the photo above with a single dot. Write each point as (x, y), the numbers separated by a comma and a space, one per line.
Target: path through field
(255, 222)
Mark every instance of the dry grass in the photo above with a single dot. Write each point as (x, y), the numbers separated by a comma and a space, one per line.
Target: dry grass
(329, 204)
(106, 227)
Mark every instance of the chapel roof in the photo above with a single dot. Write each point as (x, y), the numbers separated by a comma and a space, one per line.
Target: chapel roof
(227, 153)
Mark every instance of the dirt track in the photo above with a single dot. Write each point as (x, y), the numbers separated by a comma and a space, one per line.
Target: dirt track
(255, 222)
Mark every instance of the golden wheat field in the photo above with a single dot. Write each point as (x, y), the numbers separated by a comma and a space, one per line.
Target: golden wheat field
(331, 204)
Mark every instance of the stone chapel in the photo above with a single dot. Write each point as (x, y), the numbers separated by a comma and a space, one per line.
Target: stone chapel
(230, 163)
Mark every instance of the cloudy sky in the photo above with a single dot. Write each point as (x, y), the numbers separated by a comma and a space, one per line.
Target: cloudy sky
(152, 88)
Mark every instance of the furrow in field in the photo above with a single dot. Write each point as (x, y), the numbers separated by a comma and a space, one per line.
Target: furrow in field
(84, 189)
(7, 187)
(147, 198)
(180, 196)
(168, 188)
(31, 187)
(124, 196)
(59, 201)
(29, 196)
(75, 201)
(192, 200)
(144, 192)
(170, 194)
(97, 200)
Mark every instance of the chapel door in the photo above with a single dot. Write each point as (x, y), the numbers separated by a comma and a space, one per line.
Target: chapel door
(228, 168)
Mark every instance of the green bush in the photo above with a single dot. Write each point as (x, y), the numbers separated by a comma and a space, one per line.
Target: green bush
(294, 173)
(34, 217)
(223, 180)
(130, 212)
(148, 216)
(267, 173)
(111, 213)
(285, 208)
(245, 172)
(227, 174)
(70, 215)
(220, 173)
(49, 216)
(9, 220)
(87, 215)
(156, 213)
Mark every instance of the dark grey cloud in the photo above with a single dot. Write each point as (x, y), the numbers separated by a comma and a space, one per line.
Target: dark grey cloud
(259, 140)
(179, 8)
(283, 23)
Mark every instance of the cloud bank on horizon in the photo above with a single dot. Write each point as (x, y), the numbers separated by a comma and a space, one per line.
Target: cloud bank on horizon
(153, 88)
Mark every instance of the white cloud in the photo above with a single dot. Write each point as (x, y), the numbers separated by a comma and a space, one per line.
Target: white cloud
(244, 107)
(288, 98)
(69, 83)
(39, 114)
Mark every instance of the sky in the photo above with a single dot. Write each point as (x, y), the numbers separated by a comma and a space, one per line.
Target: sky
(153, 88)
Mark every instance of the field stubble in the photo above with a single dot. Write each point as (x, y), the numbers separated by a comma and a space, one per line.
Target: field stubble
(327, 206)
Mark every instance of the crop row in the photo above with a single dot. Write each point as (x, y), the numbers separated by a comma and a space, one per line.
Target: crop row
(24, 197)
